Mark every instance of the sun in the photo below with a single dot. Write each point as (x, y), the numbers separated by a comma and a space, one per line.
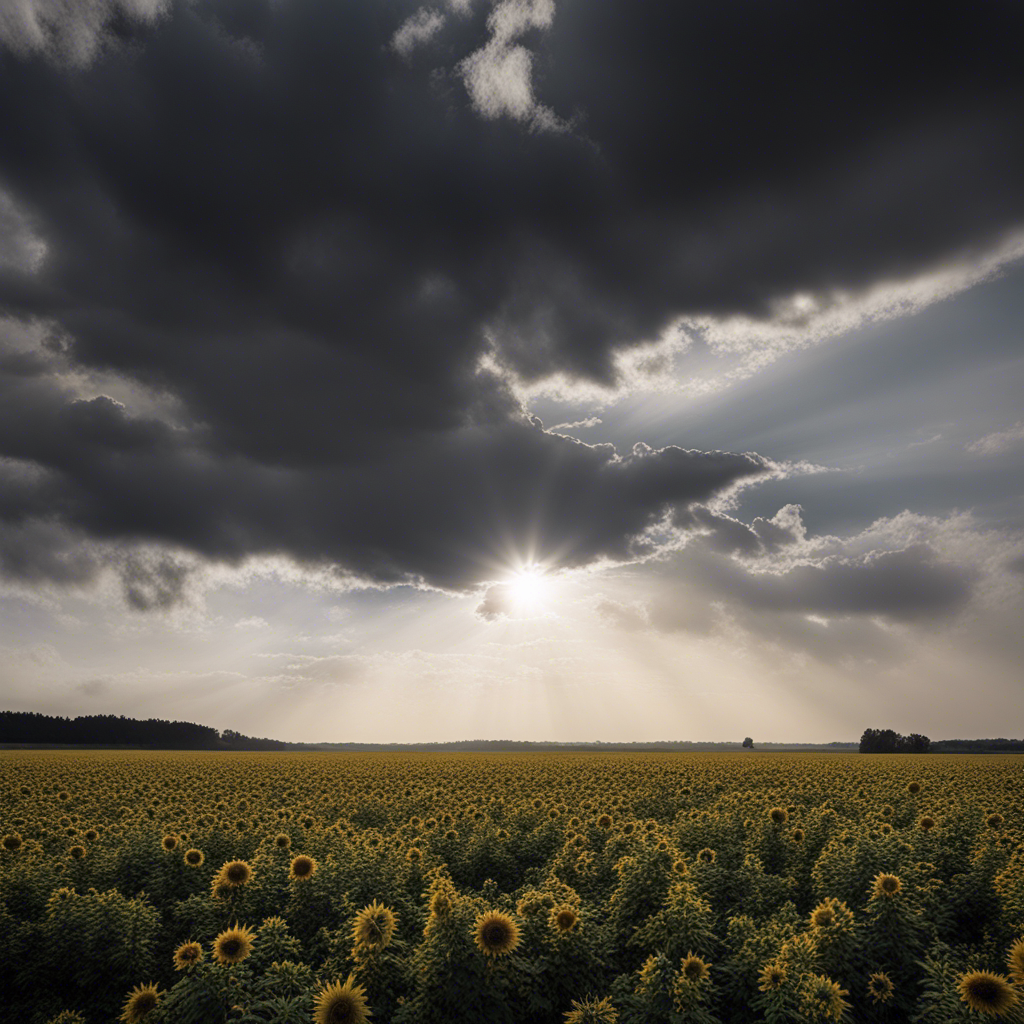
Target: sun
(528, 588)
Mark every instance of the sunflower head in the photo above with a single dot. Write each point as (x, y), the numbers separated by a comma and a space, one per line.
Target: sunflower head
(495, 933)
(797, 835)
(1015, 961)
(414, 855)
(592, 1011)
(913, 788)
(77, 852)
(772, 976)
(234, 874)
(884, 886)
(880, 986)
(233, 945)
(194, 858)
(994, 821)
(987, 993)
(926, 824)
(12, 842)
(341, 1004)
(374, 926)
(282, 841)
(604, 821)
(302, 867)
(140, 1001)
(693, 969)
(188, 954)
(706, 856)
(563, 920)
(169, 843)
(778, 816)
(823, 916)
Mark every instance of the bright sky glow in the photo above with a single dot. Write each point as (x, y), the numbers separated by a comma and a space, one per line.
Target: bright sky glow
(529, 588)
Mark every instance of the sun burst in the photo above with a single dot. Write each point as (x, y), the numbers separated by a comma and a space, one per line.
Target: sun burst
(529, 588)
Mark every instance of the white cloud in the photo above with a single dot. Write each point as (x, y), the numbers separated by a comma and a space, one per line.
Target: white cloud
(999, 442)
(252, 622)
(68, 31)
(417, 29)
(498, 76)
(590, 421)
(698, 355)
(744, 345)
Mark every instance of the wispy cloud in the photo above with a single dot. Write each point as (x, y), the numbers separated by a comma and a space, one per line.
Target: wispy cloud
(999, 442)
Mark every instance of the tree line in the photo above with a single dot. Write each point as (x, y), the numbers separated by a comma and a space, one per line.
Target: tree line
(887, 741)
(118, 731)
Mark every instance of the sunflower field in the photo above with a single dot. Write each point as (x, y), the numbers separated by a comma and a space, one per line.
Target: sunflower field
(588, 888)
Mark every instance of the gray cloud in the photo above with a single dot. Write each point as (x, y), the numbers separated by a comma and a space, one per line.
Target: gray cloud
(313, 244)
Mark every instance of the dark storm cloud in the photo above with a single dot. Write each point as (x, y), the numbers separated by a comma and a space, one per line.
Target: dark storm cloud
(908, 585)
(448, 510)
(310, 240)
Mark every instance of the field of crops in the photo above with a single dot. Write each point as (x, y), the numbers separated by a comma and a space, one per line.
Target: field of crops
(440, 889)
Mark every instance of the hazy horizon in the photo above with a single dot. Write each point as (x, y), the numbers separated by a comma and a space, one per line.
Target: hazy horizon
(513, 367)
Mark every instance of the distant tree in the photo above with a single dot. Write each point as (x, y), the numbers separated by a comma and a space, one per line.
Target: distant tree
(748, 743)
(887, 741)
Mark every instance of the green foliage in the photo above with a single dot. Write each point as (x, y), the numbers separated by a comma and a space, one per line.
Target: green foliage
(632, 889)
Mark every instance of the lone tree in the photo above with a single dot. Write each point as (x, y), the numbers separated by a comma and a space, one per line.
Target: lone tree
(748, 743)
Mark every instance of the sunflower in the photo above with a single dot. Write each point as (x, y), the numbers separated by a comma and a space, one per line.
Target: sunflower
(233, 945)
(563, 920)
(234, 874)
(77, 852)
(913, 788)
(693, 969)
(987, 992)
(994, 821)
(885, 886)
(496, 933)
(1015, 961)
(374, 926)
(592, 1011)
(706, 856)
(341, 1004)
(797, 835)
(302, 867)
(140, 1001)
(824, 1000)
(188, 954)
(880, 987)
(282, 841)
(926, 824)
(778, 816)
(169, 843)
(194, 858)
(772, 976)
(12, 842)
(823, 916)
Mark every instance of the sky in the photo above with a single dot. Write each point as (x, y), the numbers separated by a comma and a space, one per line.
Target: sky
(514, 369)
